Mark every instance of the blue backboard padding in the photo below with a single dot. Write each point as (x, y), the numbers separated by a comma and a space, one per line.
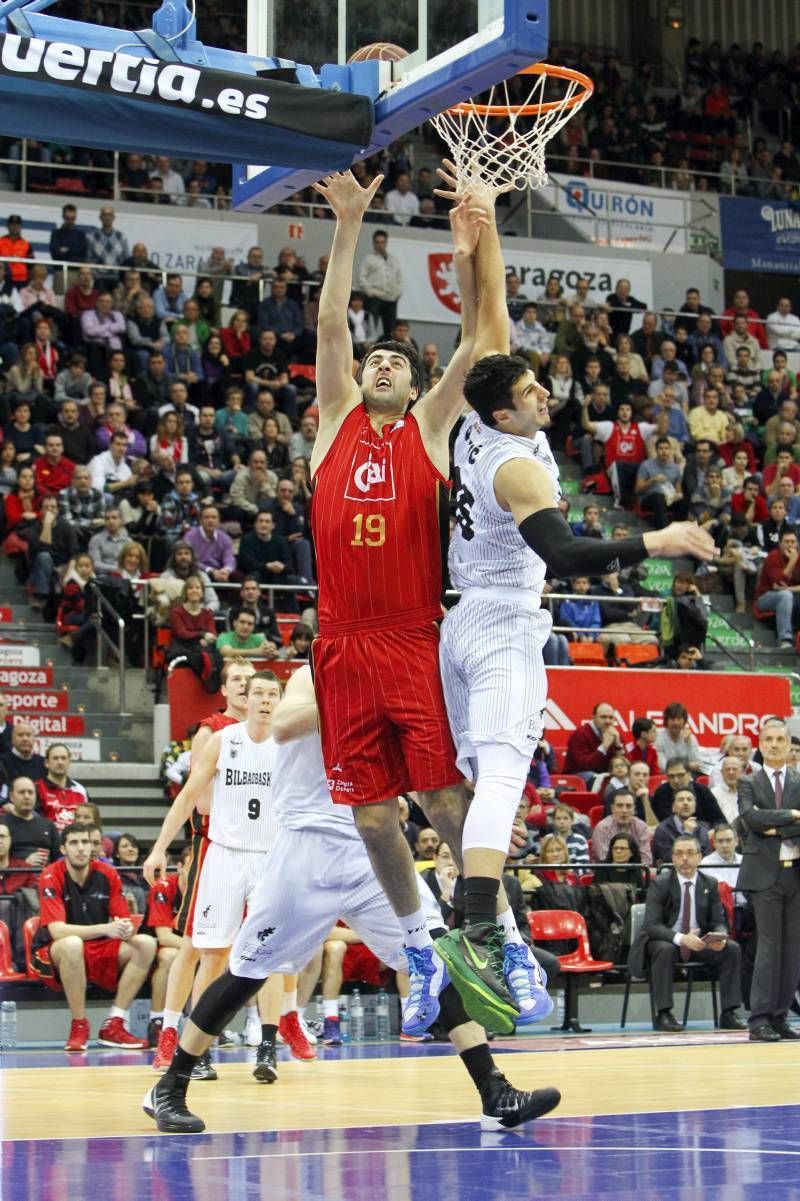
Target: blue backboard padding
(522, 41)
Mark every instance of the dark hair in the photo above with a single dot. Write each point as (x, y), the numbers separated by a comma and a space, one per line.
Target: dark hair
(633, 848)
(622, 792)
(675, 709)
(302, 630)
(663, 442)
(76, 828)
(403, 348)
(641, 725)
(488, 384)
(263, 675)
(132, 839)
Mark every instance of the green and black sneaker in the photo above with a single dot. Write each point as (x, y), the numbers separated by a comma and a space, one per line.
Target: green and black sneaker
(474, 959)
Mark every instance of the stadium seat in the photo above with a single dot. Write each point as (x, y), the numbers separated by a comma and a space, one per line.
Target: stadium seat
(555, 925)
(596, 813)
(8, 973)
(628, 654)
(571, 783)
(306, 370)
(702, 780)
(587, 654)
(582, 801)
(655, 782)
(29, 929)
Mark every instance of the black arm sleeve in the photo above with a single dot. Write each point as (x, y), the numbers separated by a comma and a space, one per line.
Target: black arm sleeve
(547, 533)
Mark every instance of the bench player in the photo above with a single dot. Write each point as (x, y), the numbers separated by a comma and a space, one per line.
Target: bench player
(238, 762)
(235, 674)
(379, 516)
(509, 535)
(319, 871)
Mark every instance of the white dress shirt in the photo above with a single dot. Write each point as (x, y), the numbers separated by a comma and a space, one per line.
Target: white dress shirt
(693, 911)
(788, 849)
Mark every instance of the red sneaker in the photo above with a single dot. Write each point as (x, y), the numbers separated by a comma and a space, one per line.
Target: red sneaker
(112, 1033)
(78, 1035)
(291, 1032)
(167, 1042)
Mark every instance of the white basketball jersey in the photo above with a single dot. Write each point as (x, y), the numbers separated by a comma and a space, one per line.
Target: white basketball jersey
(302, 798)
(487, 549)
(242, 807)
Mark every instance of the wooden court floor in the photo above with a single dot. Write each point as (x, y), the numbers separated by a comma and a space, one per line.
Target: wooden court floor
(645, 1075)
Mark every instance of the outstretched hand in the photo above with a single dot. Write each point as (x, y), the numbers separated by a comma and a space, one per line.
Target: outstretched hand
(466, 223)
(686, 538)
(346, 196)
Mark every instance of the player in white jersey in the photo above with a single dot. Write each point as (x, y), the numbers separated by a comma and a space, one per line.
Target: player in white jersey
(510, 534)
(319, 871)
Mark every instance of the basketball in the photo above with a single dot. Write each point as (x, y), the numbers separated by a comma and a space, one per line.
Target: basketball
(385, 52)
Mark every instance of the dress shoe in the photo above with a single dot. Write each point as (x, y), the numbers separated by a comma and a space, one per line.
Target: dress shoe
(764, 1034)
(784, 1030)
(666, 1023)
(730, 1020)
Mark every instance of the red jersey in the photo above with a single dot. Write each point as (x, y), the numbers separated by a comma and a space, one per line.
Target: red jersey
(625, 446)
(379, 519)
(62, 900)
(52, 480)
(217, 721)
(58, 805)
(163, 902)
(634, 754)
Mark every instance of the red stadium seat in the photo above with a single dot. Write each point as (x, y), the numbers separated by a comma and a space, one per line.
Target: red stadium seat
(306, 370)
(573, 783)
(655, 782)
(28, 934)
(630, 653)
(587, 654)
(582, 801)
(548, 925)
(596, 814)
(8, 973)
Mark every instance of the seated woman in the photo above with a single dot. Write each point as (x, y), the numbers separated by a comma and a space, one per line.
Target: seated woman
(684, 618)
(75, 612)
(193, 634)
(554, 850)
(128, 855)
(616, 869)
(169, 440)
(21, 510)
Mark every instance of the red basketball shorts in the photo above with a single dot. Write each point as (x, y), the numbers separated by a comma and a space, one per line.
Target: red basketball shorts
(382, 714)
(100, 957)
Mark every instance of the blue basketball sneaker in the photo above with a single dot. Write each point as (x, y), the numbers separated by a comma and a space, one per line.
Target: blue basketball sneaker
(427, 977)
(527, 983)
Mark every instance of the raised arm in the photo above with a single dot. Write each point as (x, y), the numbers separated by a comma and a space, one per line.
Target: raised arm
(336, 388)
(296, 715)
(440, 408)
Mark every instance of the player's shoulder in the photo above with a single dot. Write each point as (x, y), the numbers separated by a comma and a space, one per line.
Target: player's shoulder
(105, 869)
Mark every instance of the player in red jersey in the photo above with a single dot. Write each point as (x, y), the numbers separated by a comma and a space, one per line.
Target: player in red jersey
(235, 674)
(379, 517)
(86, 936)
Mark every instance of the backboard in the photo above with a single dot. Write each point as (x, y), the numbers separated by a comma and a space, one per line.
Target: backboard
(457, 49)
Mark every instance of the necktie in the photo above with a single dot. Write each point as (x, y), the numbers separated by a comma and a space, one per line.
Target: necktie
(778, 790)
(686, 918)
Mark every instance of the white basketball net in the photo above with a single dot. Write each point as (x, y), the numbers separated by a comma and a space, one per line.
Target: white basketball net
(506, 150)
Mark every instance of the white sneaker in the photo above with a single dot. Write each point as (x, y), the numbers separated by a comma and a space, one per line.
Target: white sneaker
(252, 1032)
(309, 1033)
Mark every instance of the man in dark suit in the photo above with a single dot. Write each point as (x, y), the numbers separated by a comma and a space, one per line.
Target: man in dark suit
(684, 919)
(769, 808)
(682, 820)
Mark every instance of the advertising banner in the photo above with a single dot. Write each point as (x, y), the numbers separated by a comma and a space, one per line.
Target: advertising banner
(760, 235)
(43, 701)
(16, 655)
(430, 291)
(621, 214)
(26, 677)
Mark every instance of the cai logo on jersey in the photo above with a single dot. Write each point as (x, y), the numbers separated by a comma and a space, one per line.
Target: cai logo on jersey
(372, 472)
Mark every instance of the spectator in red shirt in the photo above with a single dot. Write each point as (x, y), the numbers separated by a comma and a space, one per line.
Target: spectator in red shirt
(86, 936)
(778, 588)
(750, 503)
(53, 472)
(641, 748)
(58, 795)
(784, 465)
(741, 306)
(13, 245)
(591, 747)
(82, 296)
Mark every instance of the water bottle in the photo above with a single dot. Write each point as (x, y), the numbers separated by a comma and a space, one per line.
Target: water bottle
(344, 1020)
(383, 1023)
(8, 1025)
(356, 1017)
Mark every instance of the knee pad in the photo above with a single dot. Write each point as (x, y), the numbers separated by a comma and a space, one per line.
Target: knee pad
(222, 1000)
(502, 772)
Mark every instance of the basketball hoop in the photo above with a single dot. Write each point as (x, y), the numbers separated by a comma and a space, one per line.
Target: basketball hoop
(500, 144)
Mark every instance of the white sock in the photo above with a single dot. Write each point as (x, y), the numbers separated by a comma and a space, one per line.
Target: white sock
(330, 1009)
(301, 1012)
(251, 1011)
(415, 929)
(508, 925)
(116, 1012)
(155, 1016)
(289, 1002)
(171, 1019)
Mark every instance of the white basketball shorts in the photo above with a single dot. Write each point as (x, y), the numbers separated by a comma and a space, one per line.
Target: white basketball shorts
(228, 882)
(493, 674)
